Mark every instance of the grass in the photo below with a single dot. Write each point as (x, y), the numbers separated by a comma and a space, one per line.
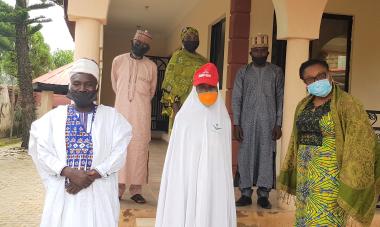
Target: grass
(9, 141)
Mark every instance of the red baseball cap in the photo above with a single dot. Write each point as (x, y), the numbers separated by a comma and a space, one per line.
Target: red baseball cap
(207, 74)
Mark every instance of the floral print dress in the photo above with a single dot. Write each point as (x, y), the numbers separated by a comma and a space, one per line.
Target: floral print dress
(317, 169)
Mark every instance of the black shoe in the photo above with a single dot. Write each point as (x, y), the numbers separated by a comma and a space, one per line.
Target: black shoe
(138, 199)
(264, 203)
(244, 201)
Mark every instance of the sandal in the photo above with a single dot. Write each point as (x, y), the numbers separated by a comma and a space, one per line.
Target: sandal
(138, 199)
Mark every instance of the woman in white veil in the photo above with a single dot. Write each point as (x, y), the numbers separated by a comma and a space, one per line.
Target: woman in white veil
(196, 185)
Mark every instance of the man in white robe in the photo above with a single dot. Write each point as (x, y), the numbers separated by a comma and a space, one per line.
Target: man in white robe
(196, 185)
(78, 150)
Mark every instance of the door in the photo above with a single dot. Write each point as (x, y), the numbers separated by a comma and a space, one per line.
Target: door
(217, 47)
(159, 122)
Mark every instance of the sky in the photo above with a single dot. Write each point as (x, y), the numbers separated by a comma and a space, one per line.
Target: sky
(55, 33)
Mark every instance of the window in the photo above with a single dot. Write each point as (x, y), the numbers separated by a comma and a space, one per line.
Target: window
(334, 46)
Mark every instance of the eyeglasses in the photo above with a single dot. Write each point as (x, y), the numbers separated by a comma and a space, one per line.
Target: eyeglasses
(320, 76)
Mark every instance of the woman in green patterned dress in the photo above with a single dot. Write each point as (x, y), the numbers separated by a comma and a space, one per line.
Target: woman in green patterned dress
(332, 164)
(178, 80)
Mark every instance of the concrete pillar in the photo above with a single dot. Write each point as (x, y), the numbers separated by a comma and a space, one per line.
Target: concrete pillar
(46, 102)
(89, 17)
(297, 52)
(87, 39)
(298, 22)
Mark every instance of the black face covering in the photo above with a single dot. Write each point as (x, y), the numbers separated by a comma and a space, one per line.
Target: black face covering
(259, 61)
(191, 46)
(140, 50)
(82, 99)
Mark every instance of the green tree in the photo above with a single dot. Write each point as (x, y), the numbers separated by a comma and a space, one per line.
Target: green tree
(6, 44)
(40, 56)
(16, 29)
(62, 57)
(8, 66)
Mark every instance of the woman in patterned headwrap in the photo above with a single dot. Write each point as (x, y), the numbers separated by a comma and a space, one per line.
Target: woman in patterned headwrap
(179, 73)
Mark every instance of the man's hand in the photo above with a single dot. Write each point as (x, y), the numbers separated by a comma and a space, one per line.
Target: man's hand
(176, 107)
(78, 177)
(238, 133)
(73, 189)
(276, 133)
(93, 174)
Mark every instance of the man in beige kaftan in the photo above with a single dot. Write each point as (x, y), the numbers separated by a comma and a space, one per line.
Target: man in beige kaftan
(134, 79)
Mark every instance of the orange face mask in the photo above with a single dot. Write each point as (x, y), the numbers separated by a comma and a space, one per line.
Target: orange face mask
(208, 98)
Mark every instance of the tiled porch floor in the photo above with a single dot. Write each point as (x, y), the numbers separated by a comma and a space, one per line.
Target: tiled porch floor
(135, 215)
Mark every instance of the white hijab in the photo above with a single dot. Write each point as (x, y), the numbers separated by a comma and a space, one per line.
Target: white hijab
(196, 184)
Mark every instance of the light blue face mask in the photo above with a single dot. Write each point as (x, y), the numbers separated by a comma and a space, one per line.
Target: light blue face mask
(320, 88)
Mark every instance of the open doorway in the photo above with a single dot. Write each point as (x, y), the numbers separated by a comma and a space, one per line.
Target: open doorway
(217, 47)
(334, 46)
(278, 48)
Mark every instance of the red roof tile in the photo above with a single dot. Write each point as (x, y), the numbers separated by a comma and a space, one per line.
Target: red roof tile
(58, 76)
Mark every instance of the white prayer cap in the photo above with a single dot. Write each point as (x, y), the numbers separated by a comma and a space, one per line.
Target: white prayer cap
(85, 65)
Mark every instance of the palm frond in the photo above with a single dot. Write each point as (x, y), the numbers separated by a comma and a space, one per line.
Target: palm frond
(34, 29)
(40, 19)
(34, 20)
(40, 6)
(58, 2)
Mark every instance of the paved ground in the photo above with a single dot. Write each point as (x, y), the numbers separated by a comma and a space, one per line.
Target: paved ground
(22, 194)
(21, 191)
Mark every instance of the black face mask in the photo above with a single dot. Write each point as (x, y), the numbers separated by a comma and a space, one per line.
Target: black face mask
(140, 50)
(259, 61)
(82, 99)
(190, 46)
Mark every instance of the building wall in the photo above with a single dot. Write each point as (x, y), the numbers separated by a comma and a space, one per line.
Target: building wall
(5, 108)
(118, 41)
(364, 78)
(57, 100)
(262, 15)
(365, 54)
(202, 17)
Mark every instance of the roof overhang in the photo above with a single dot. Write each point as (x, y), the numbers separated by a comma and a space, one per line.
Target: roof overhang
(57, 89)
